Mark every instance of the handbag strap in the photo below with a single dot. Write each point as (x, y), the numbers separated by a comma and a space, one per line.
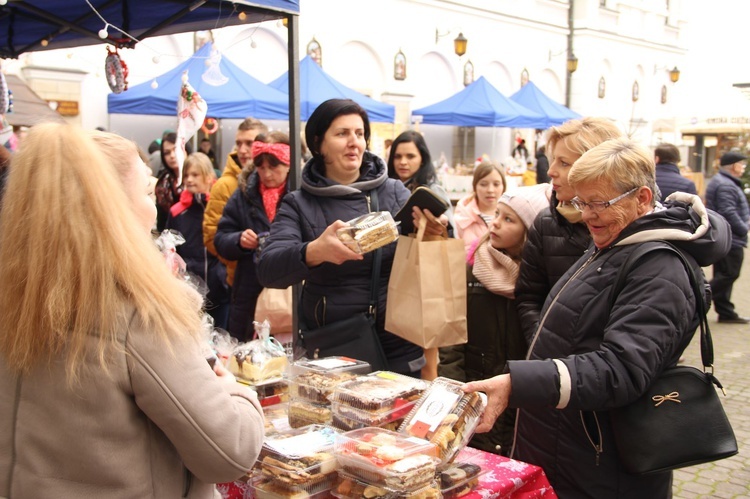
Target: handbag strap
(707, 347)
(376, 262)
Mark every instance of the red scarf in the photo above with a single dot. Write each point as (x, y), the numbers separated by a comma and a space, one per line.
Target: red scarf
(271, 196)
(186, 200)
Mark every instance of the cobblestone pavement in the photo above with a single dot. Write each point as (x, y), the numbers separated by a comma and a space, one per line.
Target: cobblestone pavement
(728, 478)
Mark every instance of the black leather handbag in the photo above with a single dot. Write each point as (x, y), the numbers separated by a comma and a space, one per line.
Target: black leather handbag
(355, 337)
(679, 421)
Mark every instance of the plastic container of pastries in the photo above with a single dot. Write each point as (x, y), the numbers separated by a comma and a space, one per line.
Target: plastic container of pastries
(379, 393)
(386, 459)
(346, 417)
(315, 379)
(349, 487)
(446, 416)
(303, 413)
(260, 487)
(299, 460)
(462, 475)
(270, 392)
(276, 419)
(369, 232)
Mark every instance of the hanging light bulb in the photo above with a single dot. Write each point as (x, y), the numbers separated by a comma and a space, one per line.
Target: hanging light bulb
(103, 33)
(3, 2)
(242, 16)
(156, 59)
(253, 44)
(154, 84)
(44, 42)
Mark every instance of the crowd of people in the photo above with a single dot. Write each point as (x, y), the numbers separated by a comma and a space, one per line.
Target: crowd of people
(101, 339)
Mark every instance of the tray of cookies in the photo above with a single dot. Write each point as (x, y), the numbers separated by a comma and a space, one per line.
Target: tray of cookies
(369, 232)
(349, 487)
(300, 460)
(261, 487)
(315, 379)
(446, 416)
(346, 417)
(302, 413)
(379, 393)
(272, 392)
(462, 475)
(276, 419)
(386, 459)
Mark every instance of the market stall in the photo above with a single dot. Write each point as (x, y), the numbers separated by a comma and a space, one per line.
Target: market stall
(229, 91)
(532, 98)
(317, 86)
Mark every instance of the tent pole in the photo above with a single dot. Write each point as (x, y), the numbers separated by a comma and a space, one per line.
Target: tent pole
(294, 140)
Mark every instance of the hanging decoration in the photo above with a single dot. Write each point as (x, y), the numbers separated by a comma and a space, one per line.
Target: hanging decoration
(191, 111)
(213, 75)
(116, 71)
(210, 126)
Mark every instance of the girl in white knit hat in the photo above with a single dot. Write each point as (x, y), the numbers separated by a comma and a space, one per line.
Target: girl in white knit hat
(494, 328)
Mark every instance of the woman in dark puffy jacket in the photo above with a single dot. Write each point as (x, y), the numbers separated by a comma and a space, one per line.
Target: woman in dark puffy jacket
(336, 187)
(558, 237)
(186, 217)
(246, 222)
(594, 352)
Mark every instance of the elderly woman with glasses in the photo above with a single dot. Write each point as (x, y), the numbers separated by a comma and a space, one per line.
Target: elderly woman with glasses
(588, 356)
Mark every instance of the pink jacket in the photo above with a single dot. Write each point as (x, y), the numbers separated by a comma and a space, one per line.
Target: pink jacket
(469, 225)
(158, 426)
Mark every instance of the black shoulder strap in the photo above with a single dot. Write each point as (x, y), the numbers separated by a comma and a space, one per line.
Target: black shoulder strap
(376, 262)
(707, 348)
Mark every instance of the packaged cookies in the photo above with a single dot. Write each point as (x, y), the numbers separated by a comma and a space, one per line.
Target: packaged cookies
(446, 416)
(275, 419)
(348, 487)
(369, 232)
(303, 413)
(297, 462)
(380, 399)
(315, 379)
(462, 476)
(386, 459)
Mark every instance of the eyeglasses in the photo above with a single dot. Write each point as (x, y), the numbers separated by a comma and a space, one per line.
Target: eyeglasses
(599, 206)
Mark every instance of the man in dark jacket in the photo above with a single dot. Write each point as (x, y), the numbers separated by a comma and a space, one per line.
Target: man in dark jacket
(668, 177)
(724, 195)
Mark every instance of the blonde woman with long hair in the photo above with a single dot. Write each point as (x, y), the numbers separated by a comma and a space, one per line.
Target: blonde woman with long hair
(104, 391)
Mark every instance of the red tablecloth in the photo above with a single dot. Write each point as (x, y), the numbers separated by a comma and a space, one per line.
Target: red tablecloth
(503, 478)
(506, 478)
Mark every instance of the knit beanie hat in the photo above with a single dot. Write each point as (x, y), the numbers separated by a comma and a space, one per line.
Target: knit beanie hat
(528, 201)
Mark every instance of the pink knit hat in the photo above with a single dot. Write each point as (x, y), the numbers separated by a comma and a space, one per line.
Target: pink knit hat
(528, 201)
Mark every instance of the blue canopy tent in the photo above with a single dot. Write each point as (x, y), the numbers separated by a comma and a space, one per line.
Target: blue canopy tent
(480, 104)
(532, 98)
(34, 25)
(228, 91)
(316, 87)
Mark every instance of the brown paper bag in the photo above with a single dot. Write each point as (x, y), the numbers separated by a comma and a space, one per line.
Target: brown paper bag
(427, 291)
(276, 306)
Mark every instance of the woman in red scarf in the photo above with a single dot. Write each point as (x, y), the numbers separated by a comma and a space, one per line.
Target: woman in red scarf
(246, 222)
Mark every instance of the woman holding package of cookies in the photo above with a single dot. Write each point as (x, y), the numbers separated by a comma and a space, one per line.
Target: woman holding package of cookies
(104, 388)
(339, 184)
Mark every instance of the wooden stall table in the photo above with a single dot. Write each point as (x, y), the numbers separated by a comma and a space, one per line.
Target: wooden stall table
(503, 479)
